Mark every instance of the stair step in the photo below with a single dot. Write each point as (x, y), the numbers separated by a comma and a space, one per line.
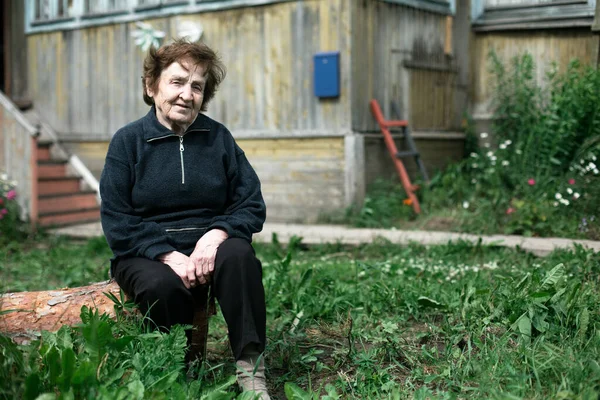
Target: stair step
(408, 153)
(60, 185)
(63, 218)
(66, 202)
(52, 169)
(43, 153)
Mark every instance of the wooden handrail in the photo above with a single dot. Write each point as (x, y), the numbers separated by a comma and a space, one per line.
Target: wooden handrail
(21, 155)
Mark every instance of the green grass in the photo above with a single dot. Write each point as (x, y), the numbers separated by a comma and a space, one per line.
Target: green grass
(371, 321)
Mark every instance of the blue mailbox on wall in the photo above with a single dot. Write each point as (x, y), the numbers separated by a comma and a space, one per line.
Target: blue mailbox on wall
(327, 74)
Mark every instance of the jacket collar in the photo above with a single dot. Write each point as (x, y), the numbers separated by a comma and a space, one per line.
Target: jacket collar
(154, 129)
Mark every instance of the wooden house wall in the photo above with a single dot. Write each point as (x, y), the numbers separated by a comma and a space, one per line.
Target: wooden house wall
(501, 3)
(86, 82)
(15, 53)
(399, 54)
(302, 178)
(546, 47)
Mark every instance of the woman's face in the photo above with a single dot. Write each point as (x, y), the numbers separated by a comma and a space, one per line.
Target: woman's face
(179, 94)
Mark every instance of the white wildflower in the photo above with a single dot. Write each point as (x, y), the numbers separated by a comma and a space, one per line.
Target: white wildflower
(361, 274)
(576, 195)
(564, 201)
(486, 145)
(3, 177)
(596, 172)
(483, 135)
(474, 165)
(465, 204)
(569, 190)
(555, 204)
(518, 151)
(474, 155)
(502, 146)
(558, 196)
(490, 154)
(505, 163)
(508, 142)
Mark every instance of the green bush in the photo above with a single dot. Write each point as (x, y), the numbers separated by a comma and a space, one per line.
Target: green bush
(541, 178)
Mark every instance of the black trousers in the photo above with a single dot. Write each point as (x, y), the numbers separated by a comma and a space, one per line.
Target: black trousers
(236, 283)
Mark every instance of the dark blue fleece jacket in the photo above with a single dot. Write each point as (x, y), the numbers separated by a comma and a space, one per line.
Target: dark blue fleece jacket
(161, 192)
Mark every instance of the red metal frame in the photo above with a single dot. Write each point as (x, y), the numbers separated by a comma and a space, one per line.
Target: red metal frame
(391, 146)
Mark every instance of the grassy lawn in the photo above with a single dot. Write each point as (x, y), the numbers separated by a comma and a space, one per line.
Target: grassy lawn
(372, 321)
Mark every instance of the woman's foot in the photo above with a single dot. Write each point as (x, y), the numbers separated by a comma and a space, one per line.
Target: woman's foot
(251, 372)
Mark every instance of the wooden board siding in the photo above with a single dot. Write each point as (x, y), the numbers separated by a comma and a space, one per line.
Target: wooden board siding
(546, 47)
(503, 3)
(437, 151)
(386, 37)
(15, 55)
(301, 178)
(432, 99)
(86, 83)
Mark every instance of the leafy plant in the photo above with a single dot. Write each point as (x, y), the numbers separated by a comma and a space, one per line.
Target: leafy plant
(11, 226)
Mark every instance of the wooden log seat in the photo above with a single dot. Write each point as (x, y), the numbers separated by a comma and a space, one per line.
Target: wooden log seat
(24, 314)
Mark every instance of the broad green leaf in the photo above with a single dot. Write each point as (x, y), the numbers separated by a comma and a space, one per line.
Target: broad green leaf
(136, 388)
(68, 359)
(584, 321)
(294, 392)
(540, 296)
(32, 387)
(222, 385)
(539, 322)
(558, 295)
(46, 396)
(524, 325)
(247, 396)
(429, 303)
(552, 277)
(113, 376)
(52, 361)
(218, 395)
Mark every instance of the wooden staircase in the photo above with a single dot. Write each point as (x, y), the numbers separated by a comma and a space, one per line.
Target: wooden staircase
(61, 200)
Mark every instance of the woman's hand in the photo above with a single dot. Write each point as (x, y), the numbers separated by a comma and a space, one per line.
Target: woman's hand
(202, 260)
(179, 263)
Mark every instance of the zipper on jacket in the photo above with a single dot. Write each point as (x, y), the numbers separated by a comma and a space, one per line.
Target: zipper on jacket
(181, 149)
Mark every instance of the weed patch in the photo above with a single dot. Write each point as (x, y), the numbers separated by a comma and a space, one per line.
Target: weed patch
(370, 321)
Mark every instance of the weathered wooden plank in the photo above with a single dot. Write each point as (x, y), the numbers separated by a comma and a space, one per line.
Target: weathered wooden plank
(386, 35)
(268, 51)
(547, 47)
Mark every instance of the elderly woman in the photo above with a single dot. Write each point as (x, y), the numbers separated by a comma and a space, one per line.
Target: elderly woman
(180, 203)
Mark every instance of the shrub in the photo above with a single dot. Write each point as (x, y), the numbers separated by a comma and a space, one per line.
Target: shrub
(11, 226)
(542, 178)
